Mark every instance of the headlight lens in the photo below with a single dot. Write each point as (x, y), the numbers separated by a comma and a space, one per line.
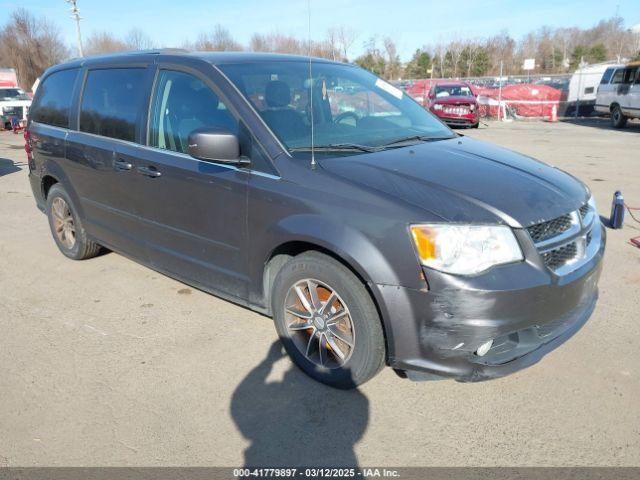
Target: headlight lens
(592, 203)
(465, 249)
(437, 106)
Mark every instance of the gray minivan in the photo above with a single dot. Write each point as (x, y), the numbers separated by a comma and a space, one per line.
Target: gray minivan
(318, 194)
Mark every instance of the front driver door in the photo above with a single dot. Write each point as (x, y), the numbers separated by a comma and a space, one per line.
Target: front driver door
(195, 211)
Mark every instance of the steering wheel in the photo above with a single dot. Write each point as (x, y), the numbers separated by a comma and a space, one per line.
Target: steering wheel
(344, 115)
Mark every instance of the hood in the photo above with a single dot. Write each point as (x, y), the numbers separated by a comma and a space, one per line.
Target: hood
(454, 100)
(465, 180)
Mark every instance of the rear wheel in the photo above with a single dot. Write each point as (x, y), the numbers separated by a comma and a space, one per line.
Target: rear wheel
(618, 120)
(327, 321)
(66, 226)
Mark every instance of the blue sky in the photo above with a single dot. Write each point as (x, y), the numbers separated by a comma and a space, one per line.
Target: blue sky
(412, 23)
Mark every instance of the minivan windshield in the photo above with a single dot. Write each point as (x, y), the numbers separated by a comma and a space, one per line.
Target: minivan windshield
(353, 110)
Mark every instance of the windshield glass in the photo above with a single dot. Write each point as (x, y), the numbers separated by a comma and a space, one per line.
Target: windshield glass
(12, 94)
(453, 91)
(352, 108)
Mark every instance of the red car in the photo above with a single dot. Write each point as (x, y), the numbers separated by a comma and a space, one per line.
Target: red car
(455, 104)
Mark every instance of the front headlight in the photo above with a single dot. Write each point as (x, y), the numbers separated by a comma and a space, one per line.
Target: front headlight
(465, 249)
(437, 106)
(592, 203)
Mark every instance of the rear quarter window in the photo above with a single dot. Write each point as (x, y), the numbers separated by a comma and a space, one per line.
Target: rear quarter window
(54, 98)
(112, 101)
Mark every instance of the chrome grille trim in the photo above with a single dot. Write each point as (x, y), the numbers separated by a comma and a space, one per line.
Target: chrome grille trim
(573, 247)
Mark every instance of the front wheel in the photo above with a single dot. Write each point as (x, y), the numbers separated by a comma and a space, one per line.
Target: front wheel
(618, 120)
(327, 321)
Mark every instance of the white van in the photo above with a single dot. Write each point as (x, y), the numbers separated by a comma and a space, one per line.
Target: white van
(14, 102)
(619, 94)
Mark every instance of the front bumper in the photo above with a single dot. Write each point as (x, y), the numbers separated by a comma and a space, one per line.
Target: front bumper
(467, 119)
(526, 310)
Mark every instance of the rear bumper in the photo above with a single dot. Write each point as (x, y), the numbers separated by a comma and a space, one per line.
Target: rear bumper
(526, 311)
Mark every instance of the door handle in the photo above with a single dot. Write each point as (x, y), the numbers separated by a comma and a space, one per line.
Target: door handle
(149, 172)
(122, 165)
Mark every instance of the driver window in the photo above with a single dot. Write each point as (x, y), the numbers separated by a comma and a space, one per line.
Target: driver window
(182, 103)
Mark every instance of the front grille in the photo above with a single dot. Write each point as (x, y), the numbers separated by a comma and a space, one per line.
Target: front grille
(584, 210)
(13, 111)
(545, 230)
(560, 256)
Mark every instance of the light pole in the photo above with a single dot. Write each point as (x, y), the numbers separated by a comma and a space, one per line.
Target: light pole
(75, 14)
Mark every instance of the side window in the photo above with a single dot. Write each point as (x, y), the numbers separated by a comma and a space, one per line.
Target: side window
(629, 75)
(607, 76)
(112, 101)
(182, 103)
(618, 76)
(54, 98)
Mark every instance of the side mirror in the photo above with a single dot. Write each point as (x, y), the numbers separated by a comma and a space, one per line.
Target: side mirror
(215, 145)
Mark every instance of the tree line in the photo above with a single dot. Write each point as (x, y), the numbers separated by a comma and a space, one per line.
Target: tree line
(30, 44)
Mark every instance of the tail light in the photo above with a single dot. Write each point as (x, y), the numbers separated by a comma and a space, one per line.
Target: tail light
(27, 142)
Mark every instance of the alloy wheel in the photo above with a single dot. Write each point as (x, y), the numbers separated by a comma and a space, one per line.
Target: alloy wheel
(63, 222)
(319, 323)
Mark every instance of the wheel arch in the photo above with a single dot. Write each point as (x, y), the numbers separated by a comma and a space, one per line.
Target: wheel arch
(54, 174)
(343, 243)
(46, 183)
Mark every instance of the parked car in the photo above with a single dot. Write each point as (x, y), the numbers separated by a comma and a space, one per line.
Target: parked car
(619, 94)
(379, 237)
(455, 104)
(14, 106)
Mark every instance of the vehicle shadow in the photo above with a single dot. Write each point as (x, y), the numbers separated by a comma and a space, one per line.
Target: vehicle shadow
(297, 422)
(8, 167)
(603, 123)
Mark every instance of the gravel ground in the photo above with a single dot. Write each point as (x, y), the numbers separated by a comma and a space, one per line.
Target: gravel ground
(105, 362)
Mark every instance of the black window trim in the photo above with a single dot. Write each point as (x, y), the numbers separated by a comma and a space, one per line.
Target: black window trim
(178, 67)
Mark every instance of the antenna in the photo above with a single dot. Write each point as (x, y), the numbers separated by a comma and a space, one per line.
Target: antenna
(313, 155)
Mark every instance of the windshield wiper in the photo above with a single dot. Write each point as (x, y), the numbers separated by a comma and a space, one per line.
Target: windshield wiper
(414, 138)
(337, 147)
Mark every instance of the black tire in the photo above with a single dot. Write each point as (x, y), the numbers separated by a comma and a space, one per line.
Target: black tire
(367, 356)
(618, 120)
(82, 247)
(475, 125)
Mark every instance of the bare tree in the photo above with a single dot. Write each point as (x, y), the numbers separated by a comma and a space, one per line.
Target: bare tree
(393, 67)
(340, 39)
(30, 45)
(136, 39)
(346, 37)
(219, 40)
(332, 42)
(104, 42)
